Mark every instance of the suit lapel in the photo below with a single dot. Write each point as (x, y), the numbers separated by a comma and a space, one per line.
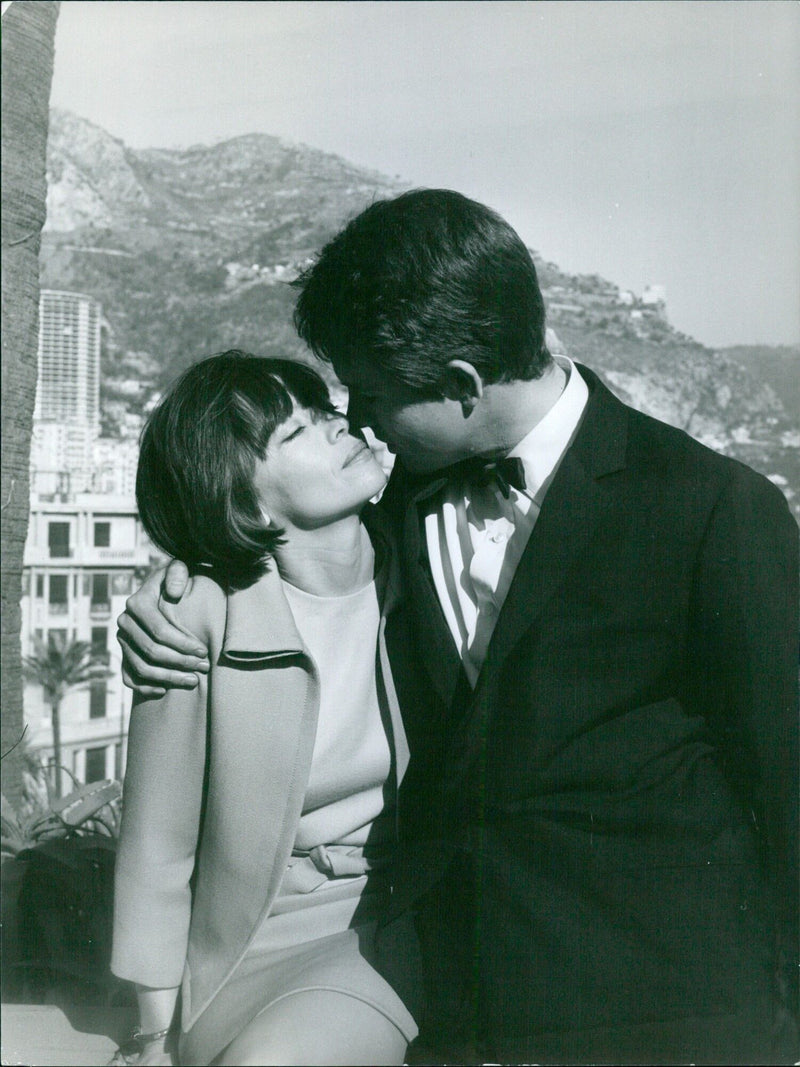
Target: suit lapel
(569, 515)
(438, 652)
(561, 533)
(567, 520)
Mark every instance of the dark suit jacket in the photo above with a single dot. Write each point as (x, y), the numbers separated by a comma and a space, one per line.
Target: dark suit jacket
(622, 785)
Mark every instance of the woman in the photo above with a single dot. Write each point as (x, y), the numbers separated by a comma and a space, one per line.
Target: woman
(258, 822)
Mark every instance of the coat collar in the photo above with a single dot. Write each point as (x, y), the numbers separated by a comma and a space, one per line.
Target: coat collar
(602, 439)
(260, 624)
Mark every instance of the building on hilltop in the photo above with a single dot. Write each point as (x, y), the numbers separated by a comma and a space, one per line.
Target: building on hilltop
(654, 299)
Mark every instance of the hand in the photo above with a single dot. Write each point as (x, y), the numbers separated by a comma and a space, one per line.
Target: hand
(156, 654)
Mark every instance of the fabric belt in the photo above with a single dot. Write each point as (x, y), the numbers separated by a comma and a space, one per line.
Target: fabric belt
(308, 869)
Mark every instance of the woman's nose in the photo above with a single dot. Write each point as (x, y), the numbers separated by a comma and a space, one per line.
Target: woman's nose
(337, 427)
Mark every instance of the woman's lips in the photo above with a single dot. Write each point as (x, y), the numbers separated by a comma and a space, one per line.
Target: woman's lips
(359, 451)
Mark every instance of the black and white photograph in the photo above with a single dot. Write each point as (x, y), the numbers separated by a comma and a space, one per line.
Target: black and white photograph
(400, 500)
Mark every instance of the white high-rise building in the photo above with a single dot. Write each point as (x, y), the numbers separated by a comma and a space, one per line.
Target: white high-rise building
(67, 412)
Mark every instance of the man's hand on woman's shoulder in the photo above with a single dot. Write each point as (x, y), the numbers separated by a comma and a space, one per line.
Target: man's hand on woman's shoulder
(156, 653)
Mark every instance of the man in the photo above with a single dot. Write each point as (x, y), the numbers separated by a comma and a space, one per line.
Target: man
(599, 820)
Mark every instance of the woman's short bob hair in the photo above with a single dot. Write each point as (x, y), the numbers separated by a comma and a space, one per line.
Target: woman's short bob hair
(194, 484)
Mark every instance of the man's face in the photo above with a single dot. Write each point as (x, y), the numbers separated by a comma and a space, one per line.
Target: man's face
(426, 434)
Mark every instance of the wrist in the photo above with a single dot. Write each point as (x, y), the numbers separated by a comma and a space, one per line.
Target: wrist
(150, 1040)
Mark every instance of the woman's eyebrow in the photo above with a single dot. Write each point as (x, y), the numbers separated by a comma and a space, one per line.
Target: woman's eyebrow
(287, 428)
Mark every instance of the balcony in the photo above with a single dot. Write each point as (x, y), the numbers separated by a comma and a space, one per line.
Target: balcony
(59, 609)
(99, 609)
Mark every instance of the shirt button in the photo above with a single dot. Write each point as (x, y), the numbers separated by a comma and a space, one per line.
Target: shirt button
(497, 538)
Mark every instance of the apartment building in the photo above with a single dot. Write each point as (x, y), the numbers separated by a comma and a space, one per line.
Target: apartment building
(84, 554)
(66, 419)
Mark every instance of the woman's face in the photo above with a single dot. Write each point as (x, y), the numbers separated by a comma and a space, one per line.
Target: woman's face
(315, 472)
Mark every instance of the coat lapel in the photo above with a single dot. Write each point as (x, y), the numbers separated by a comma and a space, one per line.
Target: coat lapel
(260, 624)
(438, 652)
(567, 520)
(570, 512)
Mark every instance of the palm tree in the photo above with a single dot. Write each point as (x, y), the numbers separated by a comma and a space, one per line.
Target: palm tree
(27, 68)
(58, 666)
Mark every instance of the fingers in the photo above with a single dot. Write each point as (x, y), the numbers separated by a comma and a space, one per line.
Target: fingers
(144, 610)
(162, 644)
(176, 580)
(149, 691)
(148, 678)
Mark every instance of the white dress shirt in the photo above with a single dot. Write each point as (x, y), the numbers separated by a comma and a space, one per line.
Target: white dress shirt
(475, 537)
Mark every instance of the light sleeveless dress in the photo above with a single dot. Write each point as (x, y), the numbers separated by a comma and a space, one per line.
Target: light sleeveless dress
(320, 931)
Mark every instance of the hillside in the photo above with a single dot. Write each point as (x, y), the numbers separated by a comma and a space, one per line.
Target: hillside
(190, 252)
(150, 233)
(779, 365)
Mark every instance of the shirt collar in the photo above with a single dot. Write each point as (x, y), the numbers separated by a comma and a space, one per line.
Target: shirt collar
(542, 448)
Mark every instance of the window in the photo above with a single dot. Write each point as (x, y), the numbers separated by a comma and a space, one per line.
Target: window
(95, 764)
(100, 602)
(100, 644)
(56, 637)
(97, 701)
(57, 594)
(102, 534)
(58, 539)
(40, 587)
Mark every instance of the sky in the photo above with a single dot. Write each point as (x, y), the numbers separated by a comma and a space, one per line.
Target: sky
(649, 142)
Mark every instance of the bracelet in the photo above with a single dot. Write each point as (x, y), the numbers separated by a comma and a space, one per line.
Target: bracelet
(146, 1039)
(130, 1051)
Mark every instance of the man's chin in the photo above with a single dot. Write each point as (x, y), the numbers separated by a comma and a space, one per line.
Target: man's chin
(417, 464)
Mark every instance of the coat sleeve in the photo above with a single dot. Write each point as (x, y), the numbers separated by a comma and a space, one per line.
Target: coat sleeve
(745, 650)
(161, 818)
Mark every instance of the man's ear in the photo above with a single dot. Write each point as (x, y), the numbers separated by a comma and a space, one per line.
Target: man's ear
(461, 382)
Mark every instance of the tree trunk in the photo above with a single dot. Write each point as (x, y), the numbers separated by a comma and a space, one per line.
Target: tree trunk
(28, 35)
(55, 719)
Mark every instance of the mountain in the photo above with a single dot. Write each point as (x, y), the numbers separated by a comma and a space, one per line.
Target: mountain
(777, 364)
(190, 252)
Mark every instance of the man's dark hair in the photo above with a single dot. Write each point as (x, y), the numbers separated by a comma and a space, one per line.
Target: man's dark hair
(194, 484)
(416, 281)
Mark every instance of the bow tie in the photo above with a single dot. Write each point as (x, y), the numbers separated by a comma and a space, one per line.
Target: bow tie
(481, 470)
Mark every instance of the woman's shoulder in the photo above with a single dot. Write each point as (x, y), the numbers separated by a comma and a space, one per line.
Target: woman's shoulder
(202, 610)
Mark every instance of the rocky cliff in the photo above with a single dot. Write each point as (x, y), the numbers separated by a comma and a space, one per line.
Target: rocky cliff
(190, 252)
